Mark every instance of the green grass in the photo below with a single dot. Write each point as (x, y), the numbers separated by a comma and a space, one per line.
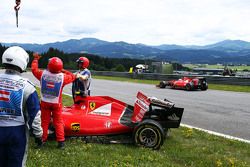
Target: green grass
(154, 82)
(234, 88)
(184, 147)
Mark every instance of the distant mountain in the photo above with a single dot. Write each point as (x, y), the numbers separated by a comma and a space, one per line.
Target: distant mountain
(170, 47)
(226, 45)
(203, 56)
(95, 46)
(69, 46)
(228, 51)
(123, 49)
(229, 45)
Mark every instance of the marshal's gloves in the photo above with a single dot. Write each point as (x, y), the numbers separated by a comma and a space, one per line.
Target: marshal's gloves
(36, 56)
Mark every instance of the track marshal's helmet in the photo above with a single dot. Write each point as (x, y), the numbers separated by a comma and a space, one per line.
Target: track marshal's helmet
(83, 61)
(16, 56)
(55, 65)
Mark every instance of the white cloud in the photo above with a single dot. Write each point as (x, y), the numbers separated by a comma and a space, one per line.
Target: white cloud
(135, 21)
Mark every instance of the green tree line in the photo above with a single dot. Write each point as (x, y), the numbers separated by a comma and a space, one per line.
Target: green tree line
(97, 63)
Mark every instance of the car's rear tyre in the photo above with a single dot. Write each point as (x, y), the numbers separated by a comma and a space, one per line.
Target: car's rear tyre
(162, 84)
(204, 87)
(149, 134)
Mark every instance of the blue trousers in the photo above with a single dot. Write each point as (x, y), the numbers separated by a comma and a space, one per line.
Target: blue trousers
(13, 142)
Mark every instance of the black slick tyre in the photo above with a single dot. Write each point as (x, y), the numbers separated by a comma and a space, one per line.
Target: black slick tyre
(149, 134)
(188, 87)
(162, 84)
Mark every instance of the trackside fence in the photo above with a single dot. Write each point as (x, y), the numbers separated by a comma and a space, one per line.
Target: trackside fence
(160, 77)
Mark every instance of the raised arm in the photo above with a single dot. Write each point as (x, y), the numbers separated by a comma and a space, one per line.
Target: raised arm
(68, 77)
(34, 67)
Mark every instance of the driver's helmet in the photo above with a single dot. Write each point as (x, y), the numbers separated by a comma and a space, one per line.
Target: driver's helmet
(55, 65)
(16, 56)
(83, 61)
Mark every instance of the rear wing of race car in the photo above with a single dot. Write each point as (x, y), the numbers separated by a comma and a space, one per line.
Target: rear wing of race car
(141, 106)
(163, 103)
(163, 111)
(167, 114)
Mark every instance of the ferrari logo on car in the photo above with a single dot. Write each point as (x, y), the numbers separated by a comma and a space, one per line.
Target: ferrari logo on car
(92, 105)
(104, 110)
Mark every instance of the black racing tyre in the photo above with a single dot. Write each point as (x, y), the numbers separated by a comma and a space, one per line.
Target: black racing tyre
(188, 87)
(162, 84)
(149, 134)
(204, 87)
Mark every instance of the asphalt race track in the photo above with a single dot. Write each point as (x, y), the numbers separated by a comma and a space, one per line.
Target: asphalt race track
(220, 111)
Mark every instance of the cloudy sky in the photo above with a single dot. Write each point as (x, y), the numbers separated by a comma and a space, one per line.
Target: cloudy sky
(152, 22)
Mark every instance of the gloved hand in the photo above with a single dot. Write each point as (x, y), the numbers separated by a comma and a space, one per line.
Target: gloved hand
(78, 75)
(38, 141)
(36, 56)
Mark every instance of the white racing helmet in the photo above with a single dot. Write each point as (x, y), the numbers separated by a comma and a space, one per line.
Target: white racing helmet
(16, 56)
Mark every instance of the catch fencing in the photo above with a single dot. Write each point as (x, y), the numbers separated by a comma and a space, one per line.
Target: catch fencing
(234, 80)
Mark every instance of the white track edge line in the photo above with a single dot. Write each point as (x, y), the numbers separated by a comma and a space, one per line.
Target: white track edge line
(217, 133)
(67, 94)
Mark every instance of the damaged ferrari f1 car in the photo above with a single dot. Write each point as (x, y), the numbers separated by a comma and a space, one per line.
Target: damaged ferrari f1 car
(186, 83)
(147, 122)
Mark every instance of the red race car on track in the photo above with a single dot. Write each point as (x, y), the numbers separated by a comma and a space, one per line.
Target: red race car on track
(147, 122)
(186, 83)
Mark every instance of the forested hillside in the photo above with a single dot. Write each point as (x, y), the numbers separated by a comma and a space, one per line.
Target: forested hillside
(96, 62)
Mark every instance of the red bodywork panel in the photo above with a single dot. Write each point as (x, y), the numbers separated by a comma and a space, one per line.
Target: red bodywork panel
(95, 115)
(181, 83)
(141, 107)
(104, 115)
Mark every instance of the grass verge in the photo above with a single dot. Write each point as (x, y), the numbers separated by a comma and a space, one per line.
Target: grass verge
(234, 88)
(184, 147)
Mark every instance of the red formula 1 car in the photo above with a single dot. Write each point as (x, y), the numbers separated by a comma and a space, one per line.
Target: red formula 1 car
(146, 123)
(186, 83)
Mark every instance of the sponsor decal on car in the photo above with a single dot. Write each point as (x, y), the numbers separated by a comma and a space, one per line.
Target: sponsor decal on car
(92, 105)
(104, 110)
(108, 124)
(141, 107)
(75, 127)
(142, 104)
